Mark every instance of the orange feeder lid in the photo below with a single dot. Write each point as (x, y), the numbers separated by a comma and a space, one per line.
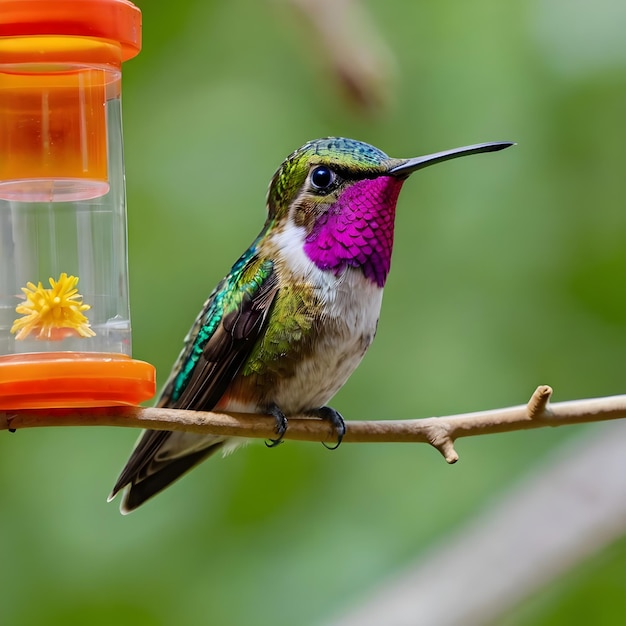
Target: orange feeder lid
(115, 20)
(73, 379)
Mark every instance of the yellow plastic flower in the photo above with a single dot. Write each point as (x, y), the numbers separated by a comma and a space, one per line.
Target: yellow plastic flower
(48, 311)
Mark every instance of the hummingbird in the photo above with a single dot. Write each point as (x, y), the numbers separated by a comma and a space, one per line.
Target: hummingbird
(284, 330)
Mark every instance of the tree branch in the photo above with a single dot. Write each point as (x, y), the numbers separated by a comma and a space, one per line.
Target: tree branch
(440, 432)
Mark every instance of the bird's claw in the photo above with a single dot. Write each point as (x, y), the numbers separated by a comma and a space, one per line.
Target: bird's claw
(329, 414)
(281, 426)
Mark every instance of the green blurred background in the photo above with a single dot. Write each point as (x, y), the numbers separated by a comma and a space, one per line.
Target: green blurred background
(508, 272)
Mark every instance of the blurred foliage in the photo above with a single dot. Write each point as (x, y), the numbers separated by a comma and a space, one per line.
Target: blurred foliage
(508, 272)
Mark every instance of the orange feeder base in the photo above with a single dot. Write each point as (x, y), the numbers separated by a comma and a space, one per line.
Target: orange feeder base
(73, 379)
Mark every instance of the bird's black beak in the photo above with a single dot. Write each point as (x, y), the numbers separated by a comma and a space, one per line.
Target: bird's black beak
(408, 166)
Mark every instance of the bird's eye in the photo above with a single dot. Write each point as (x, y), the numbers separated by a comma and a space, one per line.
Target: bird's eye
(322, 178)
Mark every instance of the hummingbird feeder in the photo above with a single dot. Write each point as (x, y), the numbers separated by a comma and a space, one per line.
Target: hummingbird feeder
(65, 337)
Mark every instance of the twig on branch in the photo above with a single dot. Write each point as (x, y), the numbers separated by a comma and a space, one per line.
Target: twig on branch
(440, 432)
(349, 42)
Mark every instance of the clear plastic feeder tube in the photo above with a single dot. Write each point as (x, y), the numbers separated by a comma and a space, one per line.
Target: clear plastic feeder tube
(65, 336)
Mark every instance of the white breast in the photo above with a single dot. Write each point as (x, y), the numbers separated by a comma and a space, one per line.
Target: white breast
(353, 308)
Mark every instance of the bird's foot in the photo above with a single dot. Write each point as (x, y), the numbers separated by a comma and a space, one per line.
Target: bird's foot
(281, 426)
(329, 414)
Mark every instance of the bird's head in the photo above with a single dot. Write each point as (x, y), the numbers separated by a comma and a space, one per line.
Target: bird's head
(340, 196)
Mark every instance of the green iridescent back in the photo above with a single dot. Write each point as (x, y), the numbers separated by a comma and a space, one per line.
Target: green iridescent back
(244, 280)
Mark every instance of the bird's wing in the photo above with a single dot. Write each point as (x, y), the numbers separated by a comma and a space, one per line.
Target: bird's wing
(217, 346)
(222, 337)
